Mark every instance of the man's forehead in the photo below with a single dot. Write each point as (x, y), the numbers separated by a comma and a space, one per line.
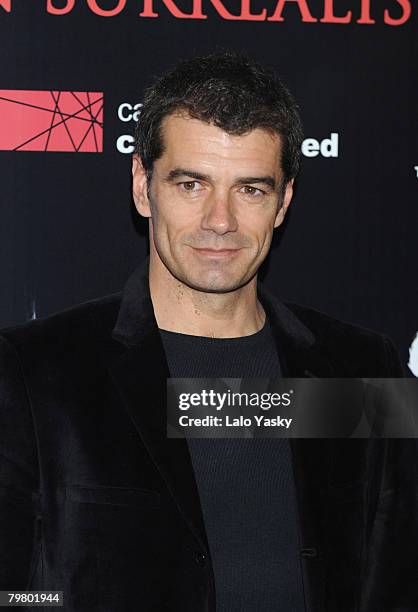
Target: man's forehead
(183, 135)
(191, 128)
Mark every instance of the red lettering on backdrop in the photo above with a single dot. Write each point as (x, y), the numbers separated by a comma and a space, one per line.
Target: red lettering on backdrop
(365, 13)
(245, 13)
(148, 10)
(329, 16)
(95, 8)
(174, 10)
(59, 11)
(6, 4)
(303, 7)
(406, 5)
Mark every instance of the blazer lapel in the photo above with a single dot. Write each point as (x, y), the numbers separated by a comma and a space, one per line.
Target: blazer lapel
(300, 356)
(140, 374)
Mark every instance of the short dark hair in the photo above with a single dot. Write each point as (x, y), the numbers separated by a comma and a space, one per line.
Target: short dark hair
(229, 90)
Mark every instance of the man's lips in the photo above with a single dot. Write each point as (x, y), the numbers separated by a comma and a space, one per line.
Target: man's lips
(216, 252)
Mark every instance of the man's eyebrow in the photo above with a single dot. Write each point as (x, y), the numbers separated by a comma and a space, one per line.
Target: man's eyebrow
(176, 172)
(249, 180)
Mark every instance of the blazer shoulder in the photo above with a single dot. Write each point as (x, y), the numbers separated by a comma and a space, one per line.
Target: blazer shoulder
(350, 343)
(80, 323)
(324, 325)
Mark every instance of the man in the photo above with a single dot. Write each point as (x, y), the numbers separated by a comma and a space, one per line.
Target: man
(96, 501)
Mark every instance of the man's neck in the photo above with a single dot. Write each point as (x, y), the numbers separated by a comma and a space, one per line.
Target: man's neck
(179, 308)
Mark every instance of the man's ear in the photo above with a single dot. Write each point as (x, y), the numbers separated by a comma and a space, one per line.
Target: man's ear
(139, 187)
(285, 204)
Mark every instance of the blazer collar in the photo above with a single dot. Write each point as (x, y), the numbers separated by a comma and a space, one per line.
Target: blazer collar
(136, 317)
(140, 372)
(300, 356)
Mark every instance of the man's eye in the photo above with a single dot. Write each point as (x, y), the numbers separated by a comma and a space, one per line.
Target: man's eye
(253, 191)
(189, 185)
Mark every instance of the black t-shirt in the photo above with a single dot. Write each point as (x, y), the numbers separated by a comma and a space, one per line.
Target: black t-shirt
(246, 486)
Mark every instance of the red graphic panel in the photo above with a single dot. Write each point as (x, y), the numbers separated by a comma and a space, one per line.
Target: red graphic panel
(51, 121)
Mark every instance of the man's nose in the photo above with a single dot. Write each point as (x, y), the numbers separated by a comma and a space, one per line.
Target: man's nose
(218, 214)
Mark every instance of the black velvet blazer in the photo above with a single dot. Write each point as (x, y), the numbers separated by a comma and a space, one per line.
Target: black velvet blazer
(97, 502)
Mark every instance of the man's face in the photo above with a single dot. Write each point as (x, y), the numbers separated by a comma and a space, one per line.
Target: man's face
(214, 202)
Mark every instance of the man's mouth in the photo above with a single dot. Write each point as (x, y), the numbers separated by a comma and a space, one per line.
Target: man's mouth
(216, 252)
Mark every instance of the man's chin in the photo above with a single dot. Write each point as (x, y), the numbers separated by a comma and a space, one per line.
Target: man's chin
(213, 286)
